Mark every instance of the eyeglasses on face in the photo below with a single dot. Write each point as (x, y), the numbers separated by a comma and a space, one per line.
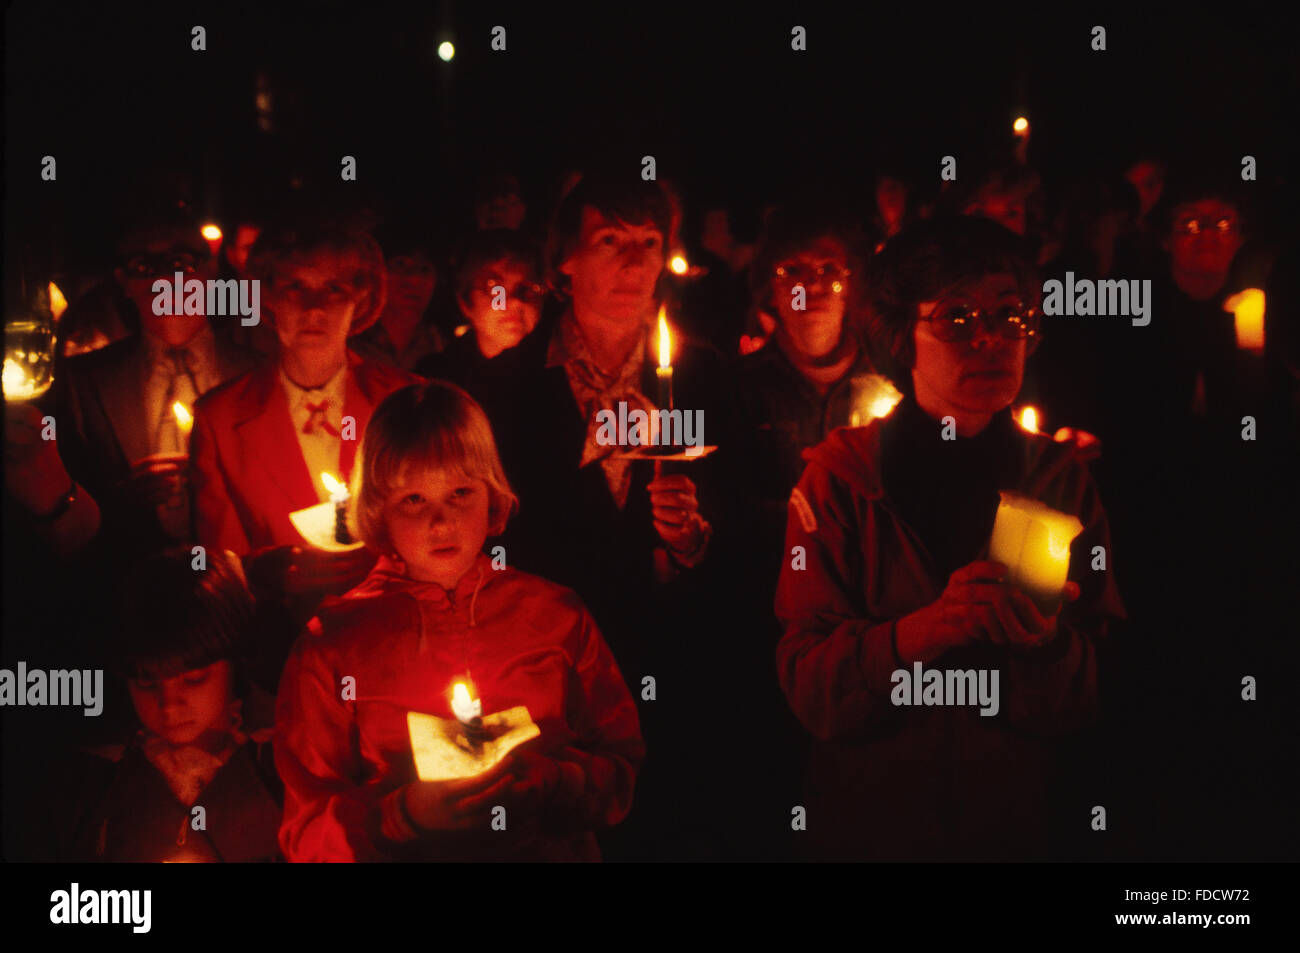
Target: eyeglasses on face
(957, 323)
(1221, 225)
(146, 266)
(527, 292)
(789, 275)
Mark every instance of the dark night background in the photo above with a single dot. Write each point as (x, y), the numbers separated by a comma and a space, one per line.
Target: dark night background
(732, 115)
(715, 94)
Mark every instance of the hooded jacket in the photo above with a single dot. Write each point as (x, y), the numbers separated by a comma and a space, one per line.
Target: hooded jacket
(922, 783)
(520, 640)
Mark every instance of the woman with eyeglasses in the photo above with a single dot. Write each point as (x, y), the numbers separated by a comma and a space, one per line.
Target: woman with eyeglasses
(889, 529)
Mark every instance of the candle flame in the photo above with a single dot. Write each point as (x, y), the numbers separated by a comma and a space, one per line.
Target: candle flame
(58, 303)
(184, 419)
(1029, 419)
(334, 486)
(211, 232)
(463, 706)
(679, 265)
(665, 340)
(1021, 125)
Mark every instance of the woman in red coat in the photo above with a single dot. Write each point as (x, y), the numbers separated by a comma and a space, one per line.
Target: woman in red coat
(886, 569)
(433, 612)
(261, 441)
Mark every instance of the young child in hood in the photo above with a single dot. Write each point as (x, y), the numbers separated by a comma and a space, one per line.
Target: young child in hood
(436, 611)
(205, 731)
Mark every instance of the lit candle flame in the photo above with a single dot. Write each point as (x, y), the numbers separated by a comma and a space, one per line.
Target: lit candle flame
(1020, 126)
(1029, 419)
(665, 341)
(58, 303)
(679, 265)
(462, 706)
(337, 490)
(212, 233)
(184, 419)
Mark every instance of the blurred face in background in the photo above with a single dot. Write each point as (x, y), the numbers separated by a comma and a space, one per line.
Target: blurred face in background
(1204, 239)
(412, 279)
(1008, 209)
(160, 256)
(1148, 177)
(821, 270)
(509, 282)
(891, 202)
(505, 210)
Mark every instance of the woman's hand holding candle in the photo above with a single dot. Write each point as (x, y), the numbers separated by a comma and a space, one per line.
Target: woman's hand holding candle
(977, 605)
(676, 512)
(463, 804)
(297, 570)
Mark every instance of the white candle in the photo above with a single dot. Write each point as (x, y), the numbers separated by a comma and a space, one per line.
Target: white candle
(1033, 541)
(1247, 308)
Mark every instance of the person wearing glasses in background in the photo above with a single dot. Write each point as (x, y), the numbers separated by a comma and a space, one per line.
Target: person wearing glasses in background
(806, 281)
(494, 320)
(118, 432)
(895, 520)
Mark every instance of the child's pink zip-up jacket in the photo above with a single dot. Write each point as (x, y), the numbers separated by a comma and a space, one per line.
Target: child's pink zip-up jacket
(520, 640)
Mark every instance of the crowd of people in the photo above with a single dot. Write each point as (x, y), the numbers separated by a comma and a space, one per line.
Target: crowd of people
(707, 645)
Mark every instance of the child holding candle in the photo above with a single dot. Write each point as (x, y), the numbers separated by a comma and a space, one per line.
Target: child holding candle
(204, 728)
(436, 611)
(895, 521)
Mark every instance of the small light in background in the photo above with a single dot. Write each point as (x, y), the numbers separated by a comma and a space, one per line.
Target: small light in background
(1020, 126)
(446, 51)
(679, 265)
(58, 303)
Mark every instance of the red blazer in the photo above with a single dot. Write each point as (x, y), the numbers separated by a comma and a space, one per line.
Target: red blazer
(247, 471)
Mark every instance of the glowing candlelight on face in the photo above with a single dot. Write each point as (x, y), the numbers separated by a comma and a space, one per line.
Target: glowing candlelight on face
(1033, 541)
(679, 265)
(1248, 311)
(184, 419)
(664, 372)
(58, 303)
(339, 497)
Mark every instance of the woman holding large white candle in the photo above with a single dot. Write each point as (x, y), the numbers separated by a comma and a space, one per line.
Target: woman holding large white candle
(895, 520)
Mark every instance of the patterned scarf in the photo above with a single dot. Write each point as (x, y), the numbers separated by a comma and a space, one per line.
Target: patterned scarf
(594, 391)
